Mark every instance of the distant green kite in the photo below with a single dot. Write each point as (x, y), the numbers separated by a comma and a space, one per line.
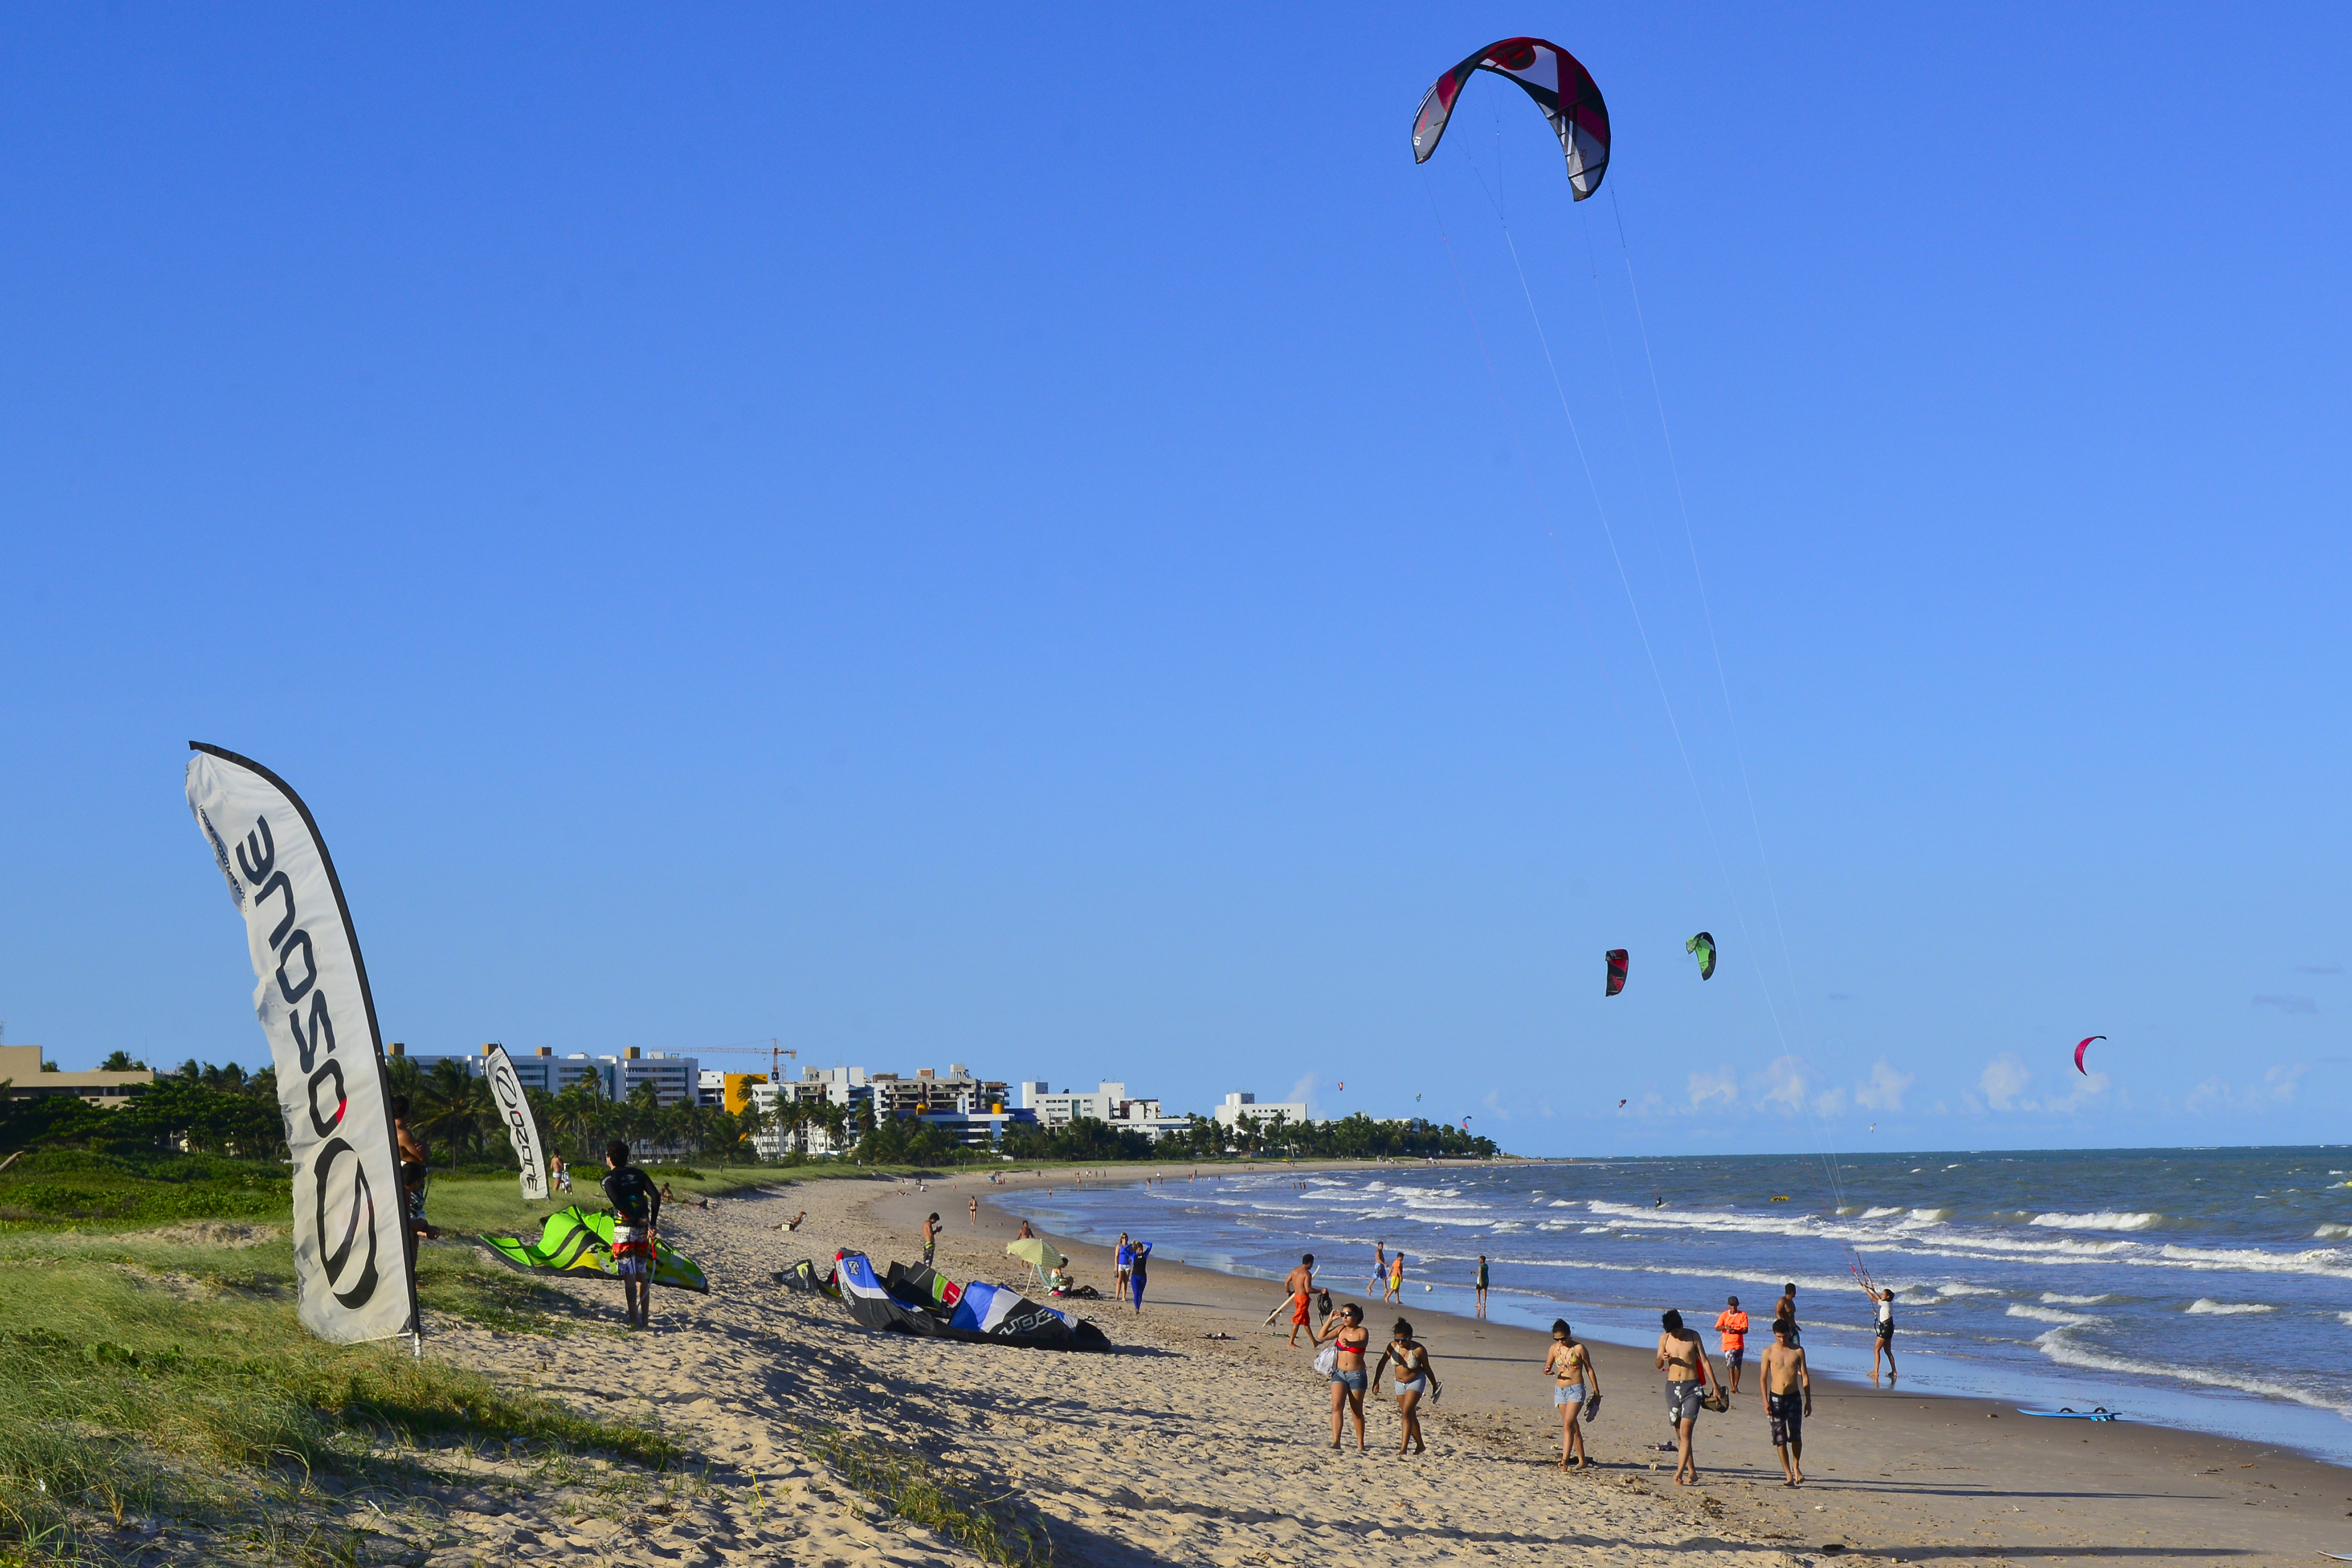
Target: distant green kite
(1702, 945)
(577, 1243)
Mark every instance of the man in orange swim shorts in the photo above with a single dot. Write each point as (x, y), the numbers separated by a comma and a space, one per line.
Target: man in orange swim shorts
(1300, 1283)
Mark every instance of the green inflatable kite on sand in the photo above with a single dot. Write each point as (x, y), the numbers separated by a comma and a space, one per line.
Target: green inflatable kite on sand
(574, 1243)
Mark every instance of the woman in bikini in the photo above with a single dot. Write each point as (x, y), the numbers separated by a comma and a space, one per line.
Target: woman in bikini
(1413, 1379)
(1573, 1378)
(1346, 1333)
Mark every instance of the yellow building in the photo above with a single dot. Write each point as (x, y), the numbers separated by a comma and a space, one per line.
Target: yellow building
(736, 1094)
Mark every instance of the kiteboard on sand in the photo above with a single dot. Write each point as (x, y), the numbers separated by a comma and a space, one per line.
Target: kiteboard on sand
(2101, 1414)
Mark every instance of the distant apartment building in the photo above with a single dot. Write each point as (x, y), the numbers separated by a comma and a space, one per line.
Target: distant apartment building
(1239, 1108)
(1107, 1102)
(676, 1080)
(20, 1066)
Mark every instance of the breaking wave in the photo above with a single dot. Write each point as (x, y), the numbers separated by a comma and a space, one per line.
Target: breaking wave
(2205, 1307)
(2104, 1219)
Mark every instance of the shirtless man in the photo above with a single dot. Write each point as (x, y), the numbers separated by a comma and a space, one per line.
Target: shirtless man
(1300, 1283)
(930, 1239)
(1786, 1307)
(1787, 1398)
(1682, 1356)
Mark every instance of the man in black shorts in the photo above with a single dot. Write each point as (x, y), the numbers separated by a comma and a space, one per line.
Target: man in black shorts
(637, 1210)
(1787, 1398)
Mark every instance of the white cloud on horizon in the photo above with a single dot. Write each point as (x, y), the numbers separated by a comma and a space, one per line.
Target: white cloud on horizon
(1885, 1090)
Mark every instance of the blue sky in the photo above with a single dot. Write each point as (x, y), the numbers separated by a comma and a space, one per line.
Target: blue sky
(939, 538)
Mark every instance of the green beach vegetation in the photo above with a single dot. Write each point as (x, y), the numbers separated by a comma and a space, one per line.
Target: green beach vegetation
(158, 1378)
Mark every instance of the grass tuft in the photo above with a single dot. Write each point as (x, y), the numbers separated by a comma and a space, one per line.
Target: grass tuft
(914, 1491)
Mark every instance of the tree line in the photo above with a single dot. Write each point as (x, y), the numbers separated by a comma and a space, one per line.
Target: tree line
(203, 1108)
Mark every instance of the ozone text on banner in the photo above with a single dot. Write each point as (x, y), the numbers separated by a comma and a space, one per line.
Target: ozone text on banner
(354, 1255)
(514, 1109)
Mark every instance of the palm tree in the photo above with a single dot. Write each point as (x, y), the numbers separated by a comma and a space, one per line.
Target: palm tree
(451, 1104)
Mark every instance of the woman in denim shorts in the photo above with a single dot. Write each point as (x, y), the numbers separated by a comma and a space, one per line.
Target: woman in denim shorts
(1346, 1334)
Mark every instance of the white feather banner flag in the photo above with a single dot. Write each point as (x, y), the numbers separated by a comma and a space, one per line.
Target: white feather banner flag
(353, 1262)
(514, 1109)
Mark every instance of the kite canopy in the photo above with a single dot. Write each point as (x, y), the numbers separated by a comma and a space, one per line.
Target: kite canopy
(1702, 945)
(2078, 1055)
(1561, 87)
(573, 1242)
(1616, 970)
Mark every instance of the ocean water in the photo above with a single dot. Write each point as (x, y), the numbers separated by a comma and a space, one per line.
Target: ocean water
(2207, 1288)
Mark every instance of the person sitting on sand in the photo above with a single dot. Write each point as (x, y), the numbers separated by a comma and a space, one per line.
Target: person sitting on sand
(1682, 1356)
(1574, 1377)
(1346, 1334)
(689, 1198)
(1300, 1283)
(1414, 1378)
(793, 1223)
(1787, 1398)
(1731, 1327)
(1026, 1234)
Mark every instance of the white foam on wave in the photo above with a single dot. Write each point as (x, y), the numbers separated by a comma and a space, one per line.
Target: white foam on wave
(2323, 1260)
(2061, 1346)
(2051, 1315)
(2331, 1231)
(2104, 1219)
(2345, 1318)
(1880, 1213)
(2057, 1301)
(1966, 1291)
(2205, 1307)
(1928, 1217)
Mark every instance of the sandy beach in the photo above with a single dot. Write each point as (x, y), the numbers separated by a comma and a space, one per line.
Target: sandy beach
(1182, 1448)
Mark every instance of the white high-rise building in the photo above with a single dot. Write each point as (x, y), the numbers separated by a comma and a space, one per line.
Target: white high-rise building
(1239, 1108)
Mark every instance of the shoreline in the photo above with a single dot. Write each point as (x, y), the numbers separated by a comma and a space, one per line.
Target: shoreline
(1898, 1474)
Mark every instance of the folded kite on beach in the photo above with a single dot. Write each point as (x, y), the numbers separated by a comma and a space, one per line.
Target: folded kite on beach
(574, 1242)
(916, 1302)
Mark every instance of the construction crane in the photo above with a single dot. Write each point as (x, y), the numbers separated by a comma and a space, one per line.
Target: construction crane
(773, 1051)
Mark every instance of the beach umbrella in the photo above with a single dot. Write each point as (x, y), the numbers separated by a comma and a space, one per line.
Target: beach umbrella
(1032, 1249)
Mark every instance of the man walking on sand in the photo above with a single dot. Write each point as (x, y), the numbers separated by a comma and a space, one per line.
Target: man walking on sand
(1787, 1398)
(637, 1210)
(1300, 1283)
(1731, 1323)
